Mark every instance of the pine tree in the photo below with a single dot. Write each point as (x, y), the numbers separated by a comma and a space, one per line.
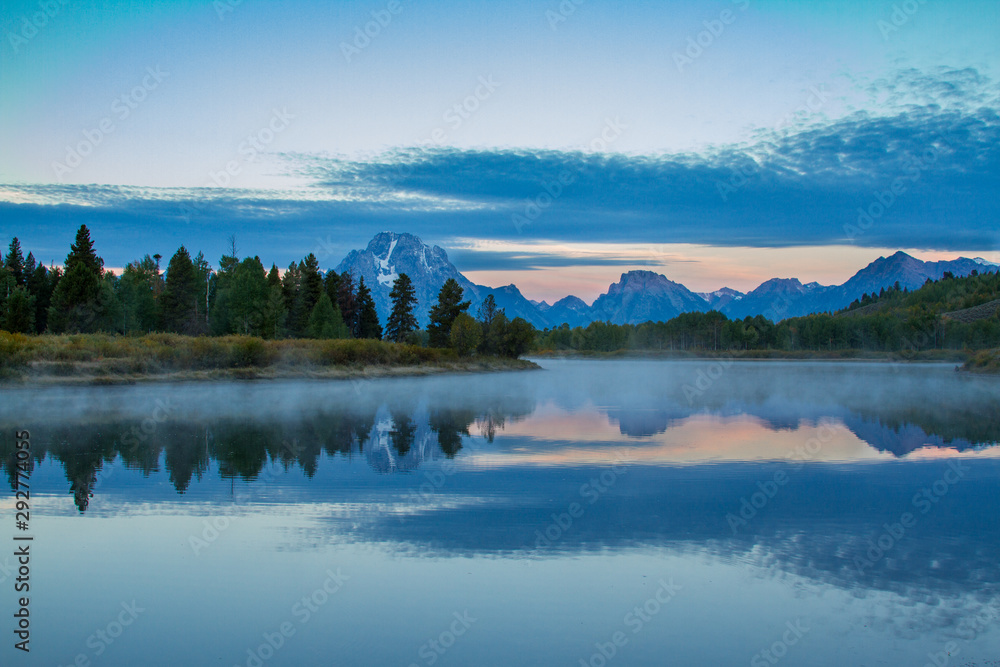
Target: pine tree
(39, 285)
(290, 292)
(76, 300)
(444, 312)
(325, 321)
(274, 277)
(367, 323)
(401, 322)
(310, 288)
(14, 261)
(331, 285)
(347, 300)
(274, 314)
(203, 278)
(19, 312)
(494, 325)
(179, 301)
(137, 290)
(248, 297)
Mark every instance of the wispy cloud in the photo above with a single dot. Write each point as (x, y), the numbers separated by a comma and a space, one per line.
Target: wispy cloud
(935, 134)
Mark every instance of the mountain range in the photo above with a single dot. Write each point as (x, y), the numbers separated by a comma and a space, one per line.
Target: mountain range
(638, 296)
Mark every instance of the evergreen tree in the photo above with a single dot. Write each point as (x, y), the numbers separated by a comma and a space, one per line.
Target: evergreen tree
(494, 333)
(367, 318)
(310, 288)
(179, 301)
(39, 285)
(248, 297)
(203, 276)
(494, 324)
(444, 312)
(19, 312)
(75, 302)
(137, 291)
(221, 320)
(274, 314)
(48, 281)
(347, 300)
(290, 285)
(14, 261)
(401, 322)
(7, 287)
(274, 277)
(325, 320)
(331, 285)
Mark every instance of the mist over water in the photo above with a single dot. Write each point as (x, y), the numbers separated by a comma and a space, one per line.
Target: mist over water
(858, 500)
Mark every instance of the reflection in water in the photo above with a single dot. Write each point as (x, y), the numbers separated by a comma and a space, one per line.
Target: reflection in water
(466, 467)
(754, 415)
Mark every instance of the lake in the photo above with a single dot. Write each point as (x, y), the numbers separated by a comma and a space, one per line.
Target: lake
(590, 513)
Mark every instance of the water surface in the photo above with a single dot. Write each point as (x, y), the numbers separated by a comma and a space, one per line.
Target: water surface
(609, 512)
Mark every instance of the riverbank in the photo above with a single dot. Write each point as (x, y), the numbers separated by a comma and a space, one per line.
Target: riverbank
(106, 359)
(954, 356)
(986, 362)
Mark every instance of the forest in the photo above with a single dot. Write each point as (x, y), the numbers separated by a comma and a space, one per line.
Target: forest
(241, 297)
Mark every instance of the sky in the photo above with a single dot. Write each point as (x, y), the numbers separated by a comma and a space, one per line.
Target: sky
(553, 144)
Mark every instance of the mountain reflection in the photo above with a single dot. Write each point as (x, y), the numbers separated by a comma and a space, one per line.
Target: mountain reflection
(400, 438)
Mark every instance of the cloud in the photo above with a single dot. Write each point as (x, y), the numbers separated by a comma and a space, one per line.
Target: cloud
(933, 136)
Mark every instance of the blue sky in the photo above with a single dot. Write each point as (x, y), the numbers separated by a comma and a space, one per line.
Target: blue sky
(550, 144)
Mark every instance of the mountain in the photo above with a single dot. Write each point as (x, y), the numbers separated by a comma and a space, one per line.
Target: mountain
(572, 310)
(778, 299)
(640, 296)
(721, 298)
(775, 299)
(388, 254)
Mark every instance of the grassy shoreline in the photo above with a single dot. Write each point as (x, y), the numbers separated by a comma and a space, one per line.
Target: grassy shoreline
(108, 359)
(950, 356)
(986, 362)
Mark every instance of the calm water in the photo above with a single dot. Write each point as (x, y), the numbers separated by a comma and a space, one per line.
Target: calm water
(619, 513)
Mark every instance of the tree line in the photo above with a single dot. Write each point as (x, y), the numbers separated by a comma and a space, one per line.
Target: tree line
(240, 297)
(895, 319)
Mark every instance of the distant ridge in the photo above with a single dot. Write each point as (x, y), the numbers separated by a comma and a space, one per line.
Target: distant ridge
(638, 296)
